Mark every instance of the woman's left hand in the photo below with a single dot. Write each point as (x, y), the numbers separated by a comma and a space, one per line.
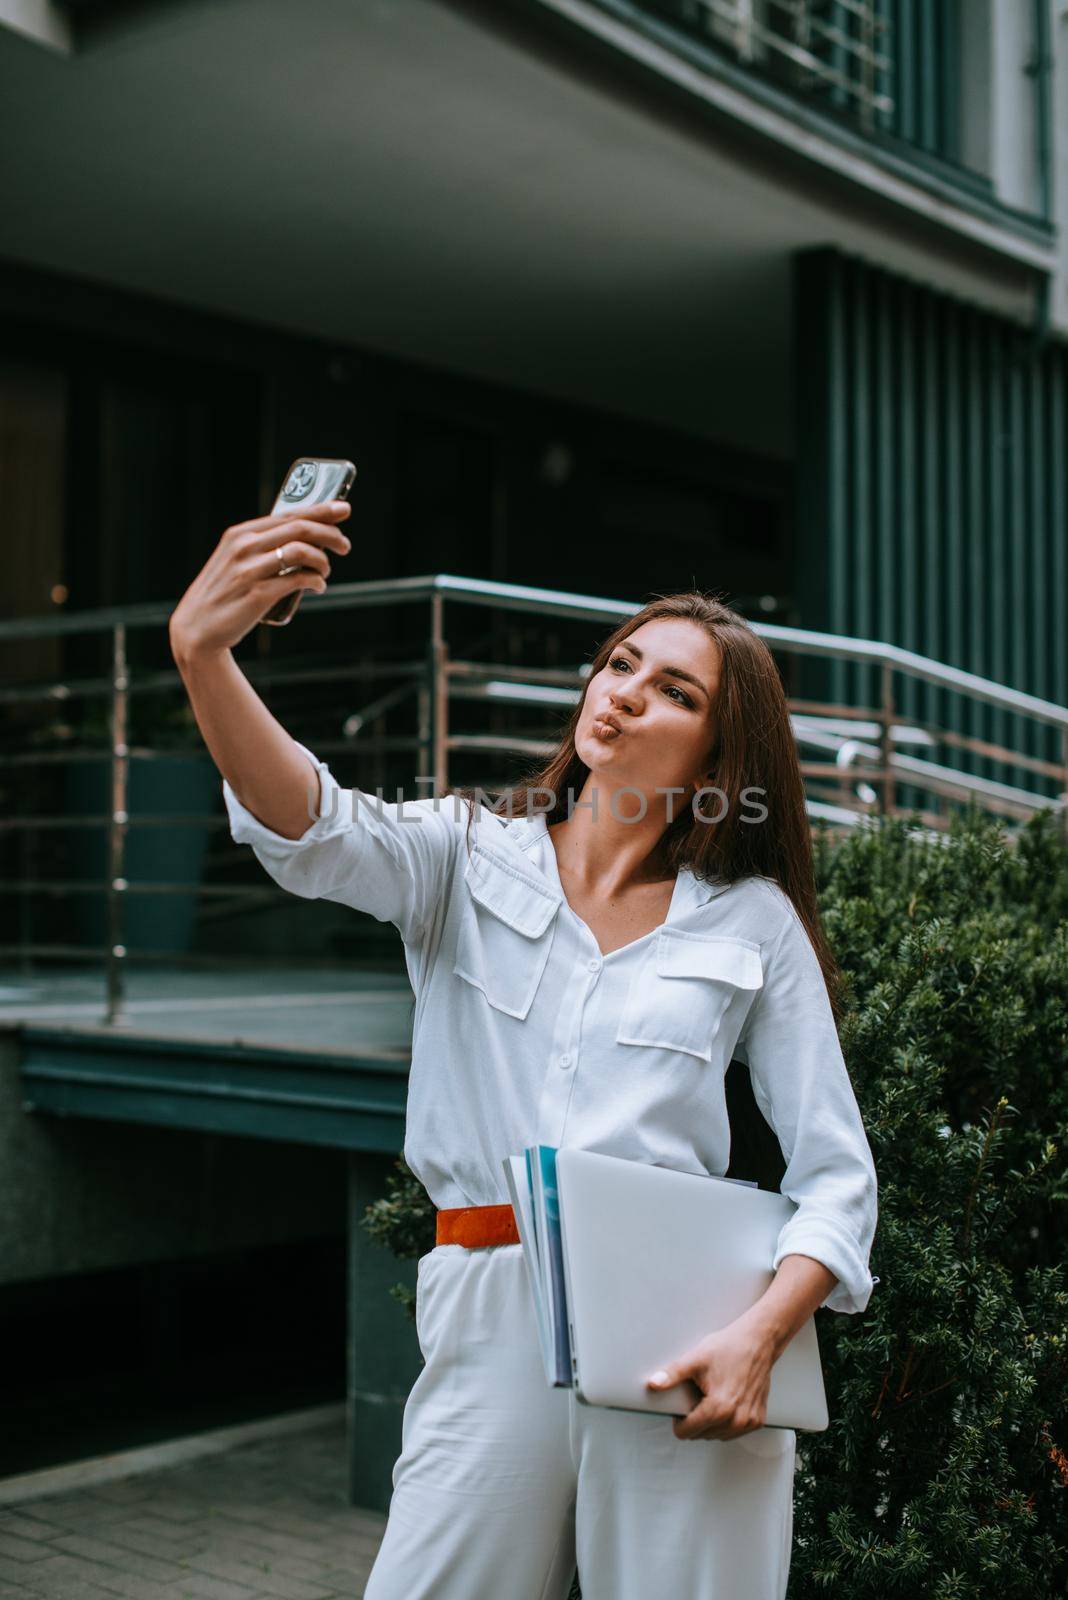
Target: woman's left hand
(732, 1368)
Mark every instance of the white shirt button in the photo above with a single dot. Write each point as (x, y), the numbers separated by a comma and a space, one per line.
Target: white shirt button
(594, 964)
(564, 1061)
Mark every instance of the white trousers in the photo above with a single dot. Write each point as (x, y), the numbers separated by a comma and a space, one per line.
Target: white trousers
(504, 1483)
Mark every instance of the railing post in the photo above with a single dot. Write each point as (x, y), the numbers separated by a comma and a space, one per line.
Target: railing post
(117, 823)
(439, 694)
(1064, 796)
(743, 29)
(424, 744)
(866, 97)
(887, 787)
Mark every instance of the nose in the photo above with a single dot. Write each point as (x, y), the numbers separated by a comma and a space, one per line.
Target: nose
(622, 698)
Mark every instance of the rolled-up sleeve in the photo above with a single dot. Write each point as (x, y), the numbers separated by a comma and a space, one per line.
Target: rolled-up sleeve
(391, 860)
(802, 1085)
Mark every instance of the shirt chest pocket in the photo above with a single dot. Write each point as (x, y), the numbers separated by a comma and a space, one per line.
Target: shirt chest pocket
(682, 988)
(505, 930)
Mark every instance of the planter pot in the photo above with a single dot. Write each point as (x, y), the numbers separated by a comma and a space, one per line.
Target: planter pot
(166, 785)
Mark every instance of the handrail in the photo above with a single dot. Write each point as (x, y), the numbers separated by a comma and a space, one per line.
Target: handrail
(861, 774)
(562, 603)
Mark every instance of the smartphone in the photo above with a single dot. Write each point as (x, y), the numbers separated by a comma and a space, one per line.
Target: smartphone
(310, 481)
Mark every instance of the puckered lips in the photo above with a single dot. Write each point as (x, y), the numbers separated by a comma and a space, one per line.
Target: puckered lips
(607, 726)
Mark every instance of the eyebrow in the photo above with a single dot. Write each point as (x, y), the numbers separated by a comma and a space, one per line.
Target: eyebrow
(673, 672)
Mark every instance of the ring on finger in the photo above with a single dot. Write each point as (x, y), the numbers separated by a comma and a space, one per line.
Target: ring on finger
(282, 568)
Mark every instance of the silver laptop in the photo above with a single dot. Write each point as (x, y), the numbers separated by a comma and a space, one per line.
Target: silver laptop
(653, 1261)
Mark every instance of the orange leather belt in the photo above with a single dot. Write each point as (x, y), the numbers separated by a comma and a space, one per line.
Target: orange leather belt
(476, 1226)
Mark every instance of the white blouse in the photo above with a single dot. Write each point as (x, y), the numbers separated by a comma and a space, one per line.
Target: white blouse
(524, 1033)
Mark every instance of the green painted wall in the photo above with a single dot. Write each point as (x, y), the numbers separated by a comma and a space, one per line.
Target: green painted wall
(84, 1195)
(932, 504)
(383, 1358)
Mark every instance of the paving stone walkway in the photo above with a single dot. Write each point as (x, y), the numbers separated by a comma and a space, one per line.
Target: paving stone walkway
(266, 1520)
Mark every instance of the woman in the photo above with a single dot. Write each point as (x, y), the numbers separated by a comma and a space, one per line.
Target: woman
(583, 976)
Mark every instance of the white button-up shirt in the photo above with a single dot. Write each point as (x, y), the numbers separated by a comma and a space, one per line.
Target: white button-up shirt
(524, 1033)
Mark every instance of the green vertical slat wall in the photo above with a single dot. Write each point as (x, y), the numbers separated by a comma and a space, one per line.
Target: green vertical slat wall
(931, 496)
(921, 40)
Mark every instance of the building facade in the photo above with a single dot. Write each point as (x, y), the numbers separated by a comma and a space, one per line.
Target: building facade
(610, 296)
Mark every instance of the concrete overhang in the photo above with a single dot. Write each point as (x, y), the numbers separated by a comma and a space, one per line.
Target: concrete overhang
(354, 1101)
(435, 181)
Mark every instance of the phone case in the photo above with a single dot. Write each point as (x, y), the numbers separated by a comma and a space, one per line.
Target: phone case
(310, 481)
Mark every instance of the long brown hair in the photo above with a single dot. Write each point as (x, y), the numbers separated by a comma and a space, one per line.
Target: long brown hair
(754, 750)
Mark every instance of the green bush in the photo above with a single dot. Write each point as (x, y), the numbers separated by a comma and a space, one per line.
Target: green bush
(944, 1470)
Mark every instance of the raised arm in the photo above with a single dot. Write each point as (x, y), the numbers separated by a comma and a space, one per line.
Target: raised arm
(312, 837)
(262, 763)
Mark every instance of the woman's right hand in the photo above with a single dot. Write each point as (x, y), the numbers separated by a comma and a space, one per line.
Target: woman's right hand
(239, 582)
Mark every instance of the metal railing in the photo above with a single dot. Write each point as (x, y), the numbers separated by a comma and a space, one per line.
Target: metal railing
(860, 759)
(834, 48)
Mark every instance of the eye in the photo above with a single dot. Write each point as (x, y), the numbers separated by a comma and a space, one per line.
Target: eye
(683, 700)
